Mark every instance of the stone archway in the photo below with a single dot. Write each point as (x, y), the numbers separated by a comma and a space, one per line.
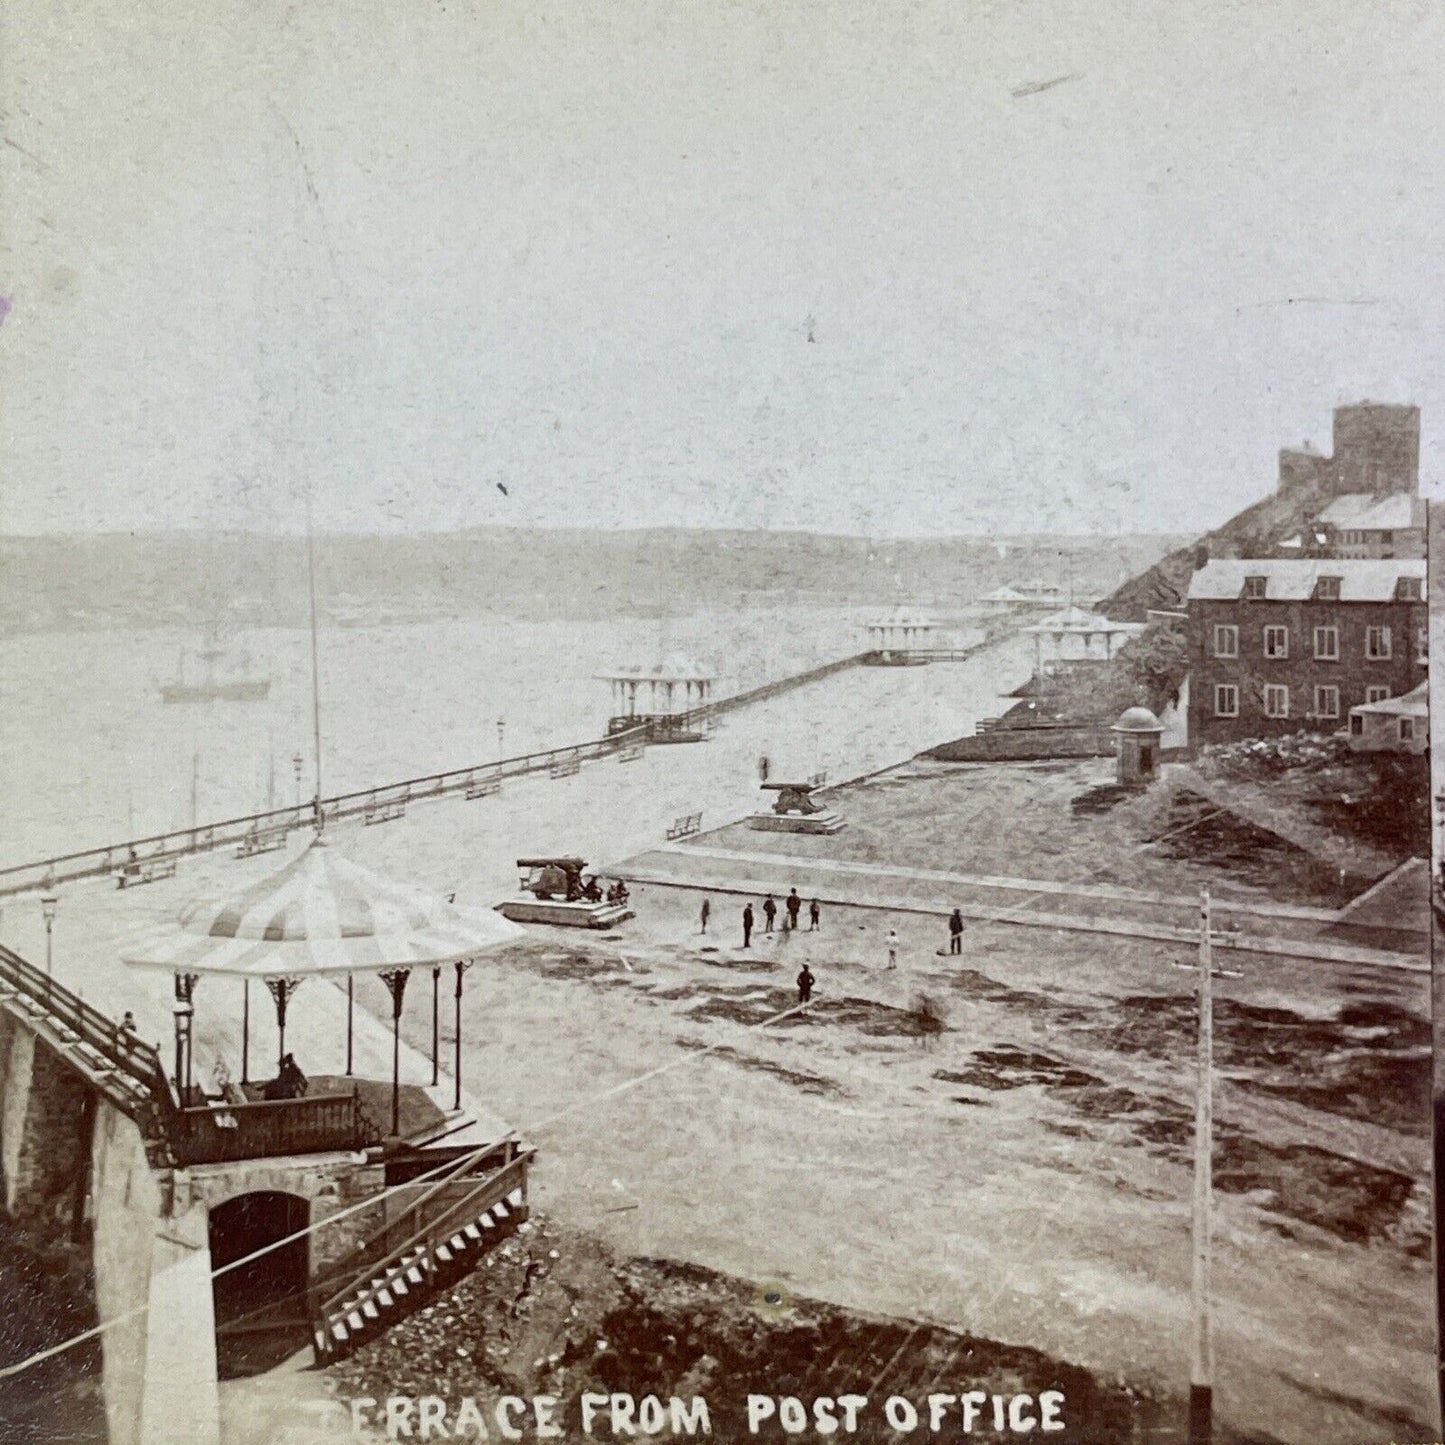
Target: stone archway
(260, 1305)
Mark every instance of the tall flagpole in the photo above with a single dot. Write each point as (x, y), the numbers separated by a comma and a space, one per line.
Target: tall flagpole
(315, 665)
(1201, 1365)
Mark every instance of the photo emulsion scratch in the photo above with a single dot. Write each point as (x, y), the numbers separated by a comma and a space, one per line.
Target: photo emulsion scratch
(715, 722)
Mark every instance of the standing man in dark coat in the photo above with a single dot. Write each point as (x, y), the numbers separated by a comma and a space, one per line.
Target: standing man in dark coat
(770, 912)
(955, 932)
(813, 913)
(793, 904)
(805, 984)
(747, 925)
(706, 913)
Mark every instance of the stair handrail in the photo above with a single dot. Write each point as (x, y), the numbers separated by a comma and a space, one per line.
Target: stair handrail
(362, 1257)
(497, 1184)
(138, 1060)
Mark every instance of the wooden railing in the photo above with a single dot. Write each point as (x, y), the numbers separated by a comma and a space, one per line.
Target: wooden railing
(220, 1133)
(436, 1212)
(451, 1171)
(143, 860)
(139, 1086)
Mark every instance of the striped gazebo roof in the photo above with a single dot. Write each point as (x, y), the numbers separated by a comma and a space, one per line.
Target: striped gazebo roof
(322, 914)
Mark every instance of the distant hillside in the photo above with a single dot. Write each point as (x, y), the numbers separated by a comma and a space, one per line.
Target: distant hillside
(247, 579)
(1254, 532)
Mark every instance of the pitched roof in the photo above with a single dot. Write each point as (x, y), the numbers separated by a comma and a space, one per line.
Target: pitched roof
(1366, 513)
(1415, 703)
(1292, 579)
(1075, 619)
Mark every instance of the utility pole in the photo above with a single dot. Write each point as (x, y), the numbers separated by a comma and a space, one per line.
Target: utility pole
(1201, 1365)
(315, 667)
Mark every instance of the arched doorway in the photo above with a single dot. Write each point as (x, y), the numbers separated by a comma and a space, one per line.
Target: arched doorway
(260, 1305)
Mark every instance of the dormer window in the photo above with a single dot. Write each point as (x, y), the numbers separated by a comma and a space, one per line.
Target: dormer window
(1256, 587)
(1327, 589)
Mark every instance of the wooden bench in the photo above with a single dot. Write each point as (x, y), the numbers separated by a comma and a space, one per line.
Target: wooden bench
(134, 874)
(485, 789)
(565, 767)
(265, 841)
(383, 813)
(685, 827)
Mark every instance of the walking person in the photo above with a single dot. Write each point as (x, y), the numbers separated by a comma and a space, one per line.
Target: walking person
(892, 948)
(955, 932)
(793, 904)
(813, 913)
(706, 913)
(770, 912)
(805, 984)
(747, 925)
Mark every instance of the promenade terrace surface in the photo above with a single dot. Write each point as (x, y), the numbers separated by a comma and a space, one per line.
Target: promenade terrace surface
(1022, 1174)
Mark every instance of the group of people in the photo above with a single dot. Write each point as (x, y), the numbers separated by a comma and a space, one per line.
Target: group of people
(791, 914)
(791, 911)
(592, 891)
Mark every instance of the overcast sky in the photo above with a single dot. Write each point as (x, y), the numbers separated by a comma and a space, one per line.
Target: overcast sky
(406, 254)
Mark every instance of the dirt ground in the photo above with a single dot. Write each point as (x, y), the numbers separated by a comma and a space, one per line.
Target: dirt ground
(553, 1312)
(997, 1145)
(47, 1300)
(1062, 821)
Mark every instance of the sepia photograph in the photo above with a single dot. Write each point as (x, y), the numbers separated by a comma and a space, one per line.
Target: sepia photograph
(715, 722)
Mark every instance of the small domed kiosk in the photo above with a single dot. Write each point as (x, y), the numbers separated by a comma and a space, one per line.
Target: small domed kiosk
(1139, 733)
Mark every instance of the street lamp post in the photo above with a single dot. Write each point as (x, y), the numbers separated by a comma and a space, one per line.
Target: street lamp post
(185, 1013)
(436, 975)
(462, 965)
(48, 904)
(296, 765)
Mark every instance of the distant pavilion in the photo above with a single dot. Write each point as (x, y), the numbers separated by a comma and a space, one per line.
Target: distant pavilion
(1075, 635)
(664, 699)
(902, 637)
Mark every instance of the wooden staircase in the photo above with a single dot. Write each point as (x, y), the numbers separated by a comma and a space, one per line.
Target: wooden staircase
(448, 1230)
(112, 1060)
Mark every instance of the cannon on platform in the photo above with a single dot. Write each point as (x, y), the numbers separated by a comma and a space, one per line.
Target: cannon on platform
(794, 798)
(561, 895)
(795, 811)
(549, 878)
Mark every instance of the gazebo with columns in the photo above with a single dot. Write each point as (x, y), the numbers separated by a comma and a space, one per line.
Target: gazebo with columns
(319, 916)
(664, 699)
(902, 638)
(1076, 636)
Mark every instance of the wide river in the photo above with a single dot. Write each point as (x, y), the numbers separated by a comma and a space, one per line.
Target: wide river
(90, 754)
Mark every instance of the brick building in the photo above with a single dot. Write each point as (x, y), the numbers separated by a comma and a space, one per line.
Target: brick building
(1284, 646)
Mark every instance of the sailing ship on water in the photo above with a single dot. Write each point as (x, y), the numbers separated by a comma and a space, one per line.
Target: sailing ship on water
(221, 678)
